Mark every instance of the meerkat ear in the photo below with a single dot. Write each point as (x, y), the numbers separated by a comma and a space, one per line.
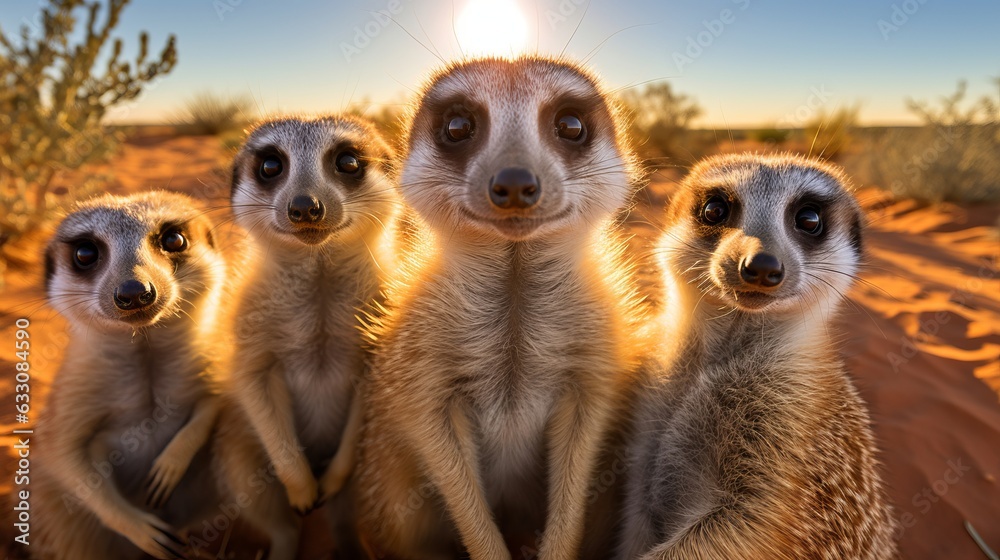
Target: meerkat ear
(234, 175)
(50, 265)
(209, 236)
(857, 237)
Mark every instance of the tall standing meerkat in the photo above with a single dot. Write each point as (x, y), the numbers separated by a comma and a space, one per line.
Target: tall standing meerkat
(754, 443)
(139, 279)
(317, 197)
(510, 332)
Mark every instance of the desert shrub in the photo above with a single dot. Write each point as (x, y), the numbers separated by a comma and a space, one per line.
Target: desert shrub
(52, 100)
(829, 135)
(954, 156)
(659, 121)
(388, 117)
(215, 115)
(771, 136)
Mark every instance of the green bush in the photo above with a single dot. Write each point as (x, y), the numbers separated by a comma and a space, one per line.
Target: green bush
(954, 156)
(215, 115)
(772, 136)
(52, 100)
(829, 135)
(660, 120)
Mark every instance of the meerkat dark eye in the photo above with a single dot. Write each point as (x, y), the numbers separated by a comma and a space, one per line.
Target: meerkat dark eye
(270, 167)
(459, 127)
(569, 126)
(173, 241)
(715, 211)
(808, 220)
(85, 255)
(348, 162)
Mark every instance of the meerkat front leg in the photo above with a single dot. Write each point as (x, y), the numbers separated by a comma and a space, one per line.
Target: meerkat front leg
(342, 465)
(443, 440)
(171, 464)
(576, 431)
(76, 473)
(262, 393)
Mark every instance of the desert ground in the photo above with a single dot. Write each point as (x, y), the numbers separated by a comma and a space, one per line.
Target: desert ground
(921, 336)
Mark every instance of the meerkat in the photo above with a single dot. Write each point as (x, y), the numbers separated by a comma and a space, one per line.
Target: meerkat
(138, 279)
(317, 197)
(753, 442)
(511, 329)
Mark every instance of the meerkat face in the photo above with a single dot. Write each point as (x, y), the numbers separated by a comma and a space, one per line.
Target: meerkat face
(515, 148)
(763, 233)
(124, 263)
(301, 182)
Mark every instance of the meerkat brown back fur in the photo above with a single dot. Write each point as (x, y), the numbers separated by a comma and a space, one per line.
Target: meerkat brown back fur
(317, 197)
(139, 279)
(753, 443)
(510, 331)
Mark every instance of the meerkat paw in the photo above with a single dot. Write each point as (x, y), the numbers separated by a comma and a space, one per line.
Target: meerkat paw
(163, 478)
(334, 479)
(303, 491)
(154, 537)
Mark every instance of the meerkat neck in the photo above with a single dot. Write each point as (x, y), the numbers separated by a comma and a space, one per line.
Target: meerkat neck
(172, 338)
(561, 246)
(702, 332)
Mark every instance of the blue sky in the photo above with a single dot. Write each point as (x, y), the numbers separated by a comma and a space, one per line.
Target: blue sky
(762, 62)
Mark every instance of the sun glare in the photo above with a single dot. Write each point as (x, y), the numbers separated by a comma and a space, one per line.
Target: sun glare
(491, 27)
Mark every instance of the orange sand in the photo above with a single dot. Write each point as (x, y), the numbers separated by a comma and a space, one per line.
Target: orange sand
(921, 337)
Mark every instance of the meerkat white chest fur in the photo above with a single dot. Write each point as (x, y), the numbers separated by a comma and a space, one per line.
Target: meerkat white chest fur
(509, 331)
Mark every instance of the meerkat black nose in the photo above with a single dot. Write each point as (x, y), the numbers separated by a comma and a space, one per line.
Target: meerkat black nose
(133, 294)
(306, 210)
(514, 187)
(762, 269)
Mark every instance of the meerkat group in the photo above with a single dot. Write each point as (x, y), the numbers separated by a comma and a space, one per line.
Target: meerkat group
(439, 342)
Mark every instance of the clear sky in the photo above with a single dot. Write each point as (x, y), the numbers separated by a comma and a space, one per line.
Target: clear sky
(747, 62)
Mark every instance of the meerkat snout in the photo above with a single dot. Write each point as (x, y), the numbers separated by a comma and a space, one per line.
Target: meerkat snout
(133, 295)
(304, 210)
(763, 270)
(515, 187)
